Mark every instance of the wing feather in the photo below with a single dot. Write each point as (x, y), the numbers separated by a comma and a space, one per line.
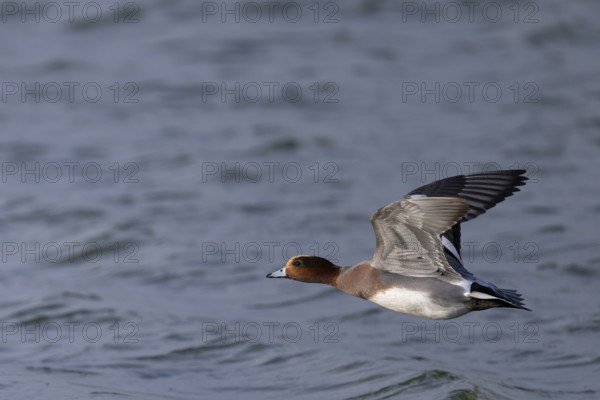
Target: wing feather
(481, 191)
(407, 234)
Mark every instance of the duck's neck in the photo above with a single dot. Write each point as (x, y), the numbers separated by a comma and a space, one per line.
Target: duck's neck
(330, 276)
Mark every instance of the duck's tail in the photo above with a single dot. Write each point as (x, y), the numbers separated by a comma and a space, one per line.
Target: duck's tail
(489, 296)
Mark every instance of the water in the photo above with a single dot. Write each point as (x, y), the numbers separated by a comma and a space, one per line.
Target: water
(140, 216)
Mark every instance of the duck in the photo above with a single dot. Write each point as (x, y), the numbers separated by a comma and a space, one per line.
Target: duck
(417, 267)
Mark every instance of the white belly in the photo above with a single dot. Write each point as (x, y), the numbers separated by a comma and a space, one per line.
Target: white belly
(417, 303)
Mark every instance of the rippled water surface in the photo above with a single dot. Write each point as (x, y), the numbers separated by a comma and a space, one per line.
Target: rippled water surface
(157, 162)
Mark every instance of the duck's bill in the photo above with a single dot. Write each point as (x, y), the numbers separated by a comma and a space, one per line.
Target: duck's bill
(280, 273)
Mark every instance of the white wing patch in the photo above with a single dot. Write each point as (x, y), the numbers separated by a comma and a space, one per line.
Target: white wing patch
(479, 295)
(448, 244)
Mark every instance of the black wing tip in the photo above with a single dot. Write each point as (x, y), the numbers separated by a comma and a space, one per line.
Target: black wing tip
(482, 190)
(512, 177)
(505, 172)
(518, 175)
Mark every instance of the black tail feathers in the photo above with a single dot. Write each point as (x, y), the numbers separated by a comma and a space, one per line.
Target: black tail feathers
(499, 298)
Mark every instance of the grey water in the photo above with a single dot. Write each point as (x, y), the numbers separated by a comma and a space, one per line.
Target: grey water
(159, 158)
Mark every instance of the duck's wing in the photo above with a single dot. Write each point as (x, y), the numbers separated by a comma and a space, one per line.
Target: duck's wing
(407, 234)
(481, 191)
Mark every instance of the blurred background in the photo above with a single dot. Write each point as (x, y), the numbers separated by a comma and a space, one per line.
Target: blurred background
(158, 158)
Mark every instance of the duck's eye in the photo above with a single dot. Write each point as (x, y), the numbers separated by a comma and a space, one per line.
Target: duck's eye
(297, 263)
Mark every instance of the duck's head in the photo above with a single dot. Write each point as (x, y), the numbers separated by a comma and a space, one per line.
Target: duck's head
(309, 269)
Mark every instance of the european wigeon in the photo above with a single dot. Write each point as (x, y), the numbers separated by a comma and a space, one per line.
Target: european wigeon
(417, 267)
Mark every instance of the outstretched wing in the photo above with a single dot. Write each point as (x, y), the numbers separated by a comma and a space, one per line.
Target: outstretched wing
(407, 235)
(481, 191)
